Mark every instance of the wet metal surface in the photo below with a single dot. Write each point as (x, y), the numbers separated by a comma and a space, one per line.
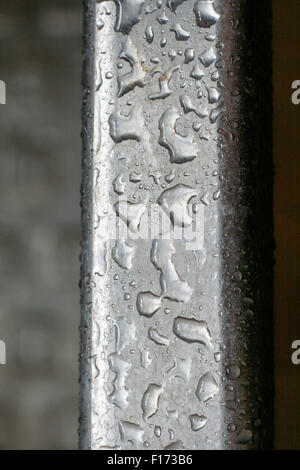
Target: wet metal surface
(176, 336)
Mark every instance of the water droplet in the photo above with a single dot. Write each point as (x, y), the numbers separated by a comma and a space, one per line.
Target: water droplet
(100, 25)
(192, 331)
(163, 42)
(216, 112)
(130, 213)
(174, 201)
(119, 184)
(213, 95)
(196, 72)
(123, 253)
(189, 55)
(178, 445)
(188, 107)
(217, 356)
(135, 177)
(137, 75)
(237, 276)
(164, 82)
(125, 333)
(233, 372)
(170, 176)
(206, 15)
(150, 400)
(100, 261)
(128, 14)
(173, 4)
(130, 432)
(120, 367)
(216, 195)
(180, 33)
(163, 19)
(148, 303)
(231, 427)
(181, 149)
(131, 127)
(157, 337)
(208, 57)
(197, 422)
(173, 287)
(145, 359)
(149, 34)
(207, 387)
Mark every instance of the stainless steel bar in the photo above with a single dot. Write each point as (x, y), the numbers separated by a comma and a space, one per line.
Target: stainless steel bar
(176, 337)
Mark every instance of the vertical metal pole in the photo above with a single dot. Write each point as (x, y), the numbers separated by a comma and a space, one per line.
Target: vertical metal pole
(176, 334)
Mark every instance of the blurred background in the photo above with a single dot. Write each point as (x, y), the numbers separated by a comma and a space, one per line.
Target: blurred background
(40, 160)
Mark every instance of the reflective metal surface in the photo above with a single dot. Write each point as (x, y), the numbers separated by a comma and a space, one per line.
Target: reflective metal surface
(176, 334)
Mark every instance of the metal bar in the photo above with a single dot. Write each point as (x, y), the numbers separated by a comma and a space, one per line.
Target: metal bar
(176, 329)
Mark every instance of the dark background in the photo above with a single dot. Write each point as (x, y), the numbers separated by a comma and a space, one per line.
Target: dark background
(40, 159)
(286, 63)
